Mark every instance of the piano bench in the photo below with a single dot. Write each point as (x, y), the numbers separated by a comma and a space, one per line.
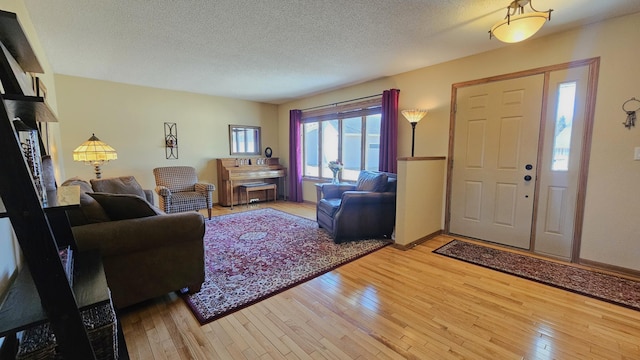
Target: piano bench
(247, 188)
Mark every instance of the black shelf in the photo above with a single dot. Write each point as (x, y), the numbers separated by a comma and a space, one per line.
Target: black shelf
(30, 109)
(41, 291)
(64, 198)
(14, 39)
(22, 308)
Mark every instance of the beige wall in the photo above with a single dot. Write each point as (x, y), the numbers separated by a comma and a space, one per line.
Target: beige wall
(420, 199)
(611, 232)
(131, 119)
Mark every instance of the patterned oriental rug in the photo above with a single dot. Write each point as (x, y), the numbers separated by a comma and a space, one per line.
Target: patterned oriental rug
(610, 288)
(252, 255)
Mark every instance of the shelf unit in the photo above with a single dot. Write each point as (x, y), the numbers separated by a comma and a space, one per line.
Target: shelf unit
(42, 291)
(22, 308)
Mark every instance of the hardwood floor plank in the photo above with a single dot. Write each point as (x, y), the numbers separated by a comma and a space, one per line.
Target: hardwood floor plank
(393, 304)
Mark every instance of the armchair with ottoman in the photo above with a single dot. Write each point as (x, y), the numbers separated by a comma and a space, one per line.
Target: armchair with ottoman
(146, 253)
(366, 209)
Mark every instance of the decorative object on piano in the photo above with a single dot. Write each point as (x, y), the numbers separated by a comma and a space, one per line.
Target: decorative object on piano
(244, 140)
(94, 152)
(335, 167)
(631, 113)
(268, 152)
(171, 140)
(28, 138)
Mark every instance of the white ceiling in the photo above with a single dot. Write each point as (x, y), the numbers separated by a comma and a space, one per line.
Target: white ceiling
(274, 51)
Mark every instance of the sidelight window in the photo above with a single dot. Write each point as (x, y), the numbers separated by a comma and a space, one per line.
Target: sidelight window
(563, 125)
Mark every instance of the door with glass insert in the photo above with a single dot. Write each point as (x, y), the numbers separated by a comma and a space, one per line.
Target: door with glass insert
(560, 162)
(509, 187)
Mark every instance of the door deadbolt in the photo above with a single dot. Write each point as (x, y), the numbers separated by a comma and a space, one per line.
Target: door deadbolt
(528, 167)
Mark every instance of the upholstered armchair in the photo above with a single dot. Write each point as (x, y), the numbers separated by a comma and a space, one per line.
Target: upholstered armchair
(179, 190)
(366, 209)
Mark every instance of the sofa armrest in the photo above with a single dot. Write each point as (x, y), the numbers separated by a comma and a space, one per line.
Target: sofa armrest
(131, 235)
(148, 195)
(163, 191)
(335, 191)
(355, 198)
(205, 187)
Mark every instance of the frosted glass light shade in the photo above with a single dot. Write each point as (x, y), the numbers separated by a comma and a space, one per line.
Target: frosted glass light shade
(94, 150)
(414, 115)
(519, 27)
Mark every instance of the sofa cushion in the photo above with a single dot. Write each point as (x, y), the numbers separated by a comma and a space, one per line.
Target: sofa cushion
(125, 206)
(371, 181)
(392, 184)
(329, 206)
(90, 210)
(85, 187)
(118, 185)
(48, 176)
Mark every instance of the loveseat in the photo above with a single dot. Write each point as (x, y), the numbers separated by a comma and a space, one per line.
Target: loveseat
(146, 253)
(366, 209)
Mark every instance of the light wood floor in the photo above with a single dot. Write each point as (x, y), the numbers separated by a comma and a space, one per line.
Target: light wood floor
(393, 304)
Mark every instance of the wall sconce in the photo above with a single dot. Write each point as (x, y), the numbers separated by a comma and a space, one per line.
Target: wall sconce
(94, 152)
(518, 26)
(413, 116)
(171, 140)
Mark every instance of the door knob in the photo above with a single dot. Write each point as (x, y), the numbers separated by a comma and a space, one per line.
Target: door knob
(527, 178)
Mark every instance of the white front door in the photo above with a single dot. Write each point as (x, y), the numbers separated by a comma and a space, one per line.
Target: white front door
(494, 160)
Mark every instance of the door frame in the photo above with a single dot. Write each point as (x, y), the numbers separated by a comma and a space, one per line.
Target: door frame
(593, 65)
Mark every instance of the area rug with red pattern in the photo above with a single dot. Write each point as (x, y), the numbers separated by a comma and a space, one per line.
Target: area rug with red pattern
(610, 288)
(252, 255)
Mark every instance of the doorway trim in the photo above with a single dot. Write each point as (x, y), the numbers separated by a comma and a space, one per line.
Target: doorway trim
(593, 65)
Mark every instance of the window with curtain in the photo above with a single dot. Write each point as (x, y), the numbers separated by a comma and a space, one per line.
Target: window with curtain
(348, 133)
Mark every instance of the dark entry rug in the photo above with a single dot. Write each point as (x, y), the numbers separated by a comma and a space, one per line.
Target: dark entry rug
(610, 288)
(252, 255)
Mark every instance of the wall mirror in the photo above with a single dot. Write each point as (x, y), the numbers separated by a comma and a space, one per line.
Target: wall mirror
(244, 140)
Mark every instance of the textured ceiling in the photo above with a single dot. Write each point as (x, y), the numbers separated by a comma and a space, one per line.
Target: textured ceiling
(274, 51)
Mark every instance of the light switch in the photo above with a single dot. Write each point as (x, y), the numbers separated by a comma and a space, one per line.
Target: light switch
(636, 154)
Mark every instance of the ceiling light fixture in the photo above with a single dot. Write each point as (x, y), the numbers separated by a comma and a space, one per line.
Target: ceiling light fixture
(518, 26)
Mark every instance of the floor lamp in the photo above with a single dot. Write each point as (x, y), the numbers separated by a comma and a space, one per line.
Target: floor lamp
(413, 116)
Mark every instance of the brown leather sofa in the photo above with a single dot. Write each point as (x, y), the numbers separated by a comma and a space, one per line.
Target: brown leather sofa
(366, 209)
(146, 253)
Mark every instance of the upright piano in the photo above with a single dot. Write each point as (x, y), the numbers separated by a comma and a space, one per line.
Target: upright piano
(237, 171)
